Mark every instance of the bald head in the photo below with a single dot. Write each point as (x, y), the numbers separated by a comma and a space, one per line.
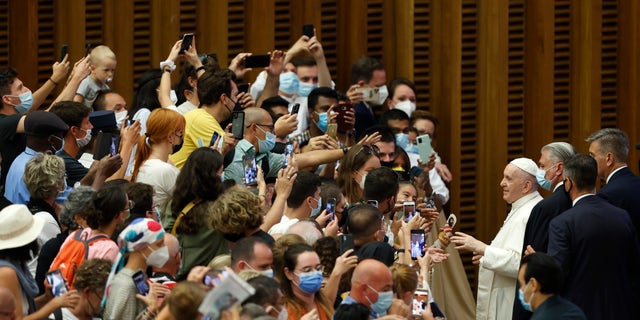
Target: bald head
(255, 115)
(172, 266)
(369, 278)
(307, 230)
(7, 303)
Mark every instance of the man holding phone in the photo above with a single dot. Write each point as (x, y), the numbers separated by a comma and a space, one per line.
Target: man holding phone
(367, 74)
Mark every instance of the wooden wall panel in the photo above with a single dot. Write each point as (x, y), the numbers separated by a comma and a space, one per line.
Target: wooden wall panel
(422, 60)
(561, 123)
(213, 29)
(259, 26)
(142, 39)
(351, 43)
(609, 74)
(118, 34)
(4, 34)
(23, 39)
(329, 29)
(516, 137)
(46, 46)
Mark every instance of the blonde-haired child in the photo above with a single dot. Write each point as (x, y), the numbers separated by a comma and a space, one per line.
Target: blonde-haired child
(103, 67)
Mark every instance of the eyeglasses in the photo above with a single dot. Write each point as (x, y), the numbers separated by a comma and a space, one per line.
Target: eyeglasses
(369, 150)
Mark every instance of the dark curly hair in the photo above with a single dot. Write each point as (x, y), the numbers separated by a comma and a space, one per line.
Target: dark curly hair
(197, 179)
(105, 205)
(93, 274)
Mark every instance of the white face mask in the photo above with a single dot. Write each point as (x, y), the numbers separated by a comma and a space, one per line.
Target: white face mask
(82, 142)
(407, 106)
(158, 257)
(173, 97)
(120, 116)
(364, 177)
(383, 93)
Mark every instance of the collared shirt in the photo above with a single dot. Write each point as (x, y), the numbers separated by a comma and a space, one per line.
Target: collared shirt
(15, 189)
(580, 197)
(613, 172)
(235, 170)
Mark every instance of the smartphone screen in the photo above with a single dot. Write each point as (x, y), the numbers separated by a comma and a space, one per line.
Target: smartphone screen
(63, 51)
(212, 278)
(332, 130)
(141, 282)
(370, 94)
(56, 280)
(214, 137)
(250, 170)
(307, 30)
(257, 61)
(288, 152)
(420, 302)
(187, 38)
(237, 124)
(295, 109)
(106, 144)
(408, 210)
(331, 209)
(417, 244)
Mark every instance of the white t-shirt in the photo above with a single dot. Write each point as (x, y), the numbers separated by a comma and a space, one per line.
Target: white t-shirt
(162, 176)
(186, 107)
(49, 231)
(67, 315)
(282, 226)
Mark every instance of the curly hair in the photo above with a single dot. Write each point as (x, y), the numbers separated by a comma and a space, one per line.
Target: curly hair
(105, 206)
(44, 176)
(236, 211)
(328, 251)
(76, 204)
(93, 274)
(198, 179)
(184, 299)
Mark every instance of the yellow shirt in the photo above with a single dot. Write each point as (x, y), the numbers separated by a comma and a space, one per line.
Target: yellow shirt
(197, 133)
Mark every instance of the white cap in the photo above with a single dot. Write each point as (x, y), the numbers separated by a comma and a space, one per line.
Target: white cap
(525, 164)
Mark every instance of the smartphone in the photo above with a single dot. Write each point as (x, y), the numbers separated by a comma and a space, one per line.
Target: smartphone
(257, 61)
(424, 147)
(342, 109)
(214, 137)
(332, 130)
(212, 278)
(187, 38)
(331, 208)
(237, 124)
(87, 49)
(244, 87)
(408, 210)
(370, 94)
(140, 280)
(106, 144)
(250, 170)
(373, 203)
(452, 220)
(295, 109)
(420, 302)
(56, 280)
(130, 122)
(63, 51)
(417, 244)
(307, 30)
(346, 242)
(288, 152)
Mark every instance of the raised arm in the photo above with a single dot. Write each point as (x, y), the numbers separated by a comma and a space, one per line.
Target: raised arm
(81, 69)
(60, 70)
(167, 67)
(276, 65)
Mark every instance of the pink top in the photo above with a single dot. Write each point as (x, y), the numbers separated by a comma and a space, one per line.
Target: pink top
(103, 249)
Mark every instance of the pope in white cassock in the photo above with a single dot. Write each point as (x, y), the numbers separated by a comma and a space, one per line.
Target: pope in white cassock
(500, 260)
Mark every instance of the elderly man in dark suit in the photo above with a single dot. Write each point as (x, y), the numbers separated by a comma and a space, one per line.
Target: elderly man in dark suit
(596, 245)
(610, 148)
(550, 175)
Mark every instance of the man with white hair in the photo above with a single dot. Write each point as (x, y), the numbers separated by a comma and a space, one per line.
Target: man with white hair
(550, 175)
(499, 261)
(307, 230)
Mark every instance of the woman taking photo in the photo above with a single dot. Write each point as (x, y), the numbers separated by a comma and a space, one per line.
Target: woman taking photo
(356, 164)
(165, 129)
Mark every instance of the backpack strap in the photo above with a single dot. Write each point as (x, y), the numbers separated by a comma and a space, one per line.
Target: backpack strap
(183, 213)
(82, 237)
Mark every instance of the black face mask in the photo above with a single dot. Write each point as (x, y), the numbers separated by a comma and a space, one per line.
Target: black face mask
(388, 164)
(177, 147)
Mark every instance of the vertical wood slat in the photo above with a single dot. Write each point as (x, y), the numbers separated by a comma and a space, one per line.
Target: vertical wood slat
(404, 55)
(329, 29)
(515, 79)
(586, 63)
(4, 34)
(539, 53)
(561, 82)
(351, 42)
(421, 61)
(629, 74)
(304, 12)
(213, 33)
(259, 26)
(492, 111)
(118, 35)
(609, 58)
(24, 44)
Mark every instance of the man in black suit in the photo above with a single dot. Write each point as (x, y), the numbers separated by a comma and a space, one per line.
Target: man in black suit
(367, 73)
(549, 176)
(595, 243)
(541, 279)
(610, 148)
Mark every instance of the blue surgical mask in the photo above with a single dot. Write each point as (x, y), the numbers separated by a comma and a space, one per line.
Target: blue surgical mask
(268, 272)
(383, 303)
(316, 211)
(268, 143)
(26, 101)
(57, 151)
(310, 282)
(526, 305)
(412, 148)
(402, 140)
(305, 88)
(542, 181)
(289, 82)
(323, 121)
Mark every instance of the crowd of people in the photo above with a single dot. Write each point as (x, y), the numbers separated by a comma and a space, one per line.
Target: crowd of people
(320, 204)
